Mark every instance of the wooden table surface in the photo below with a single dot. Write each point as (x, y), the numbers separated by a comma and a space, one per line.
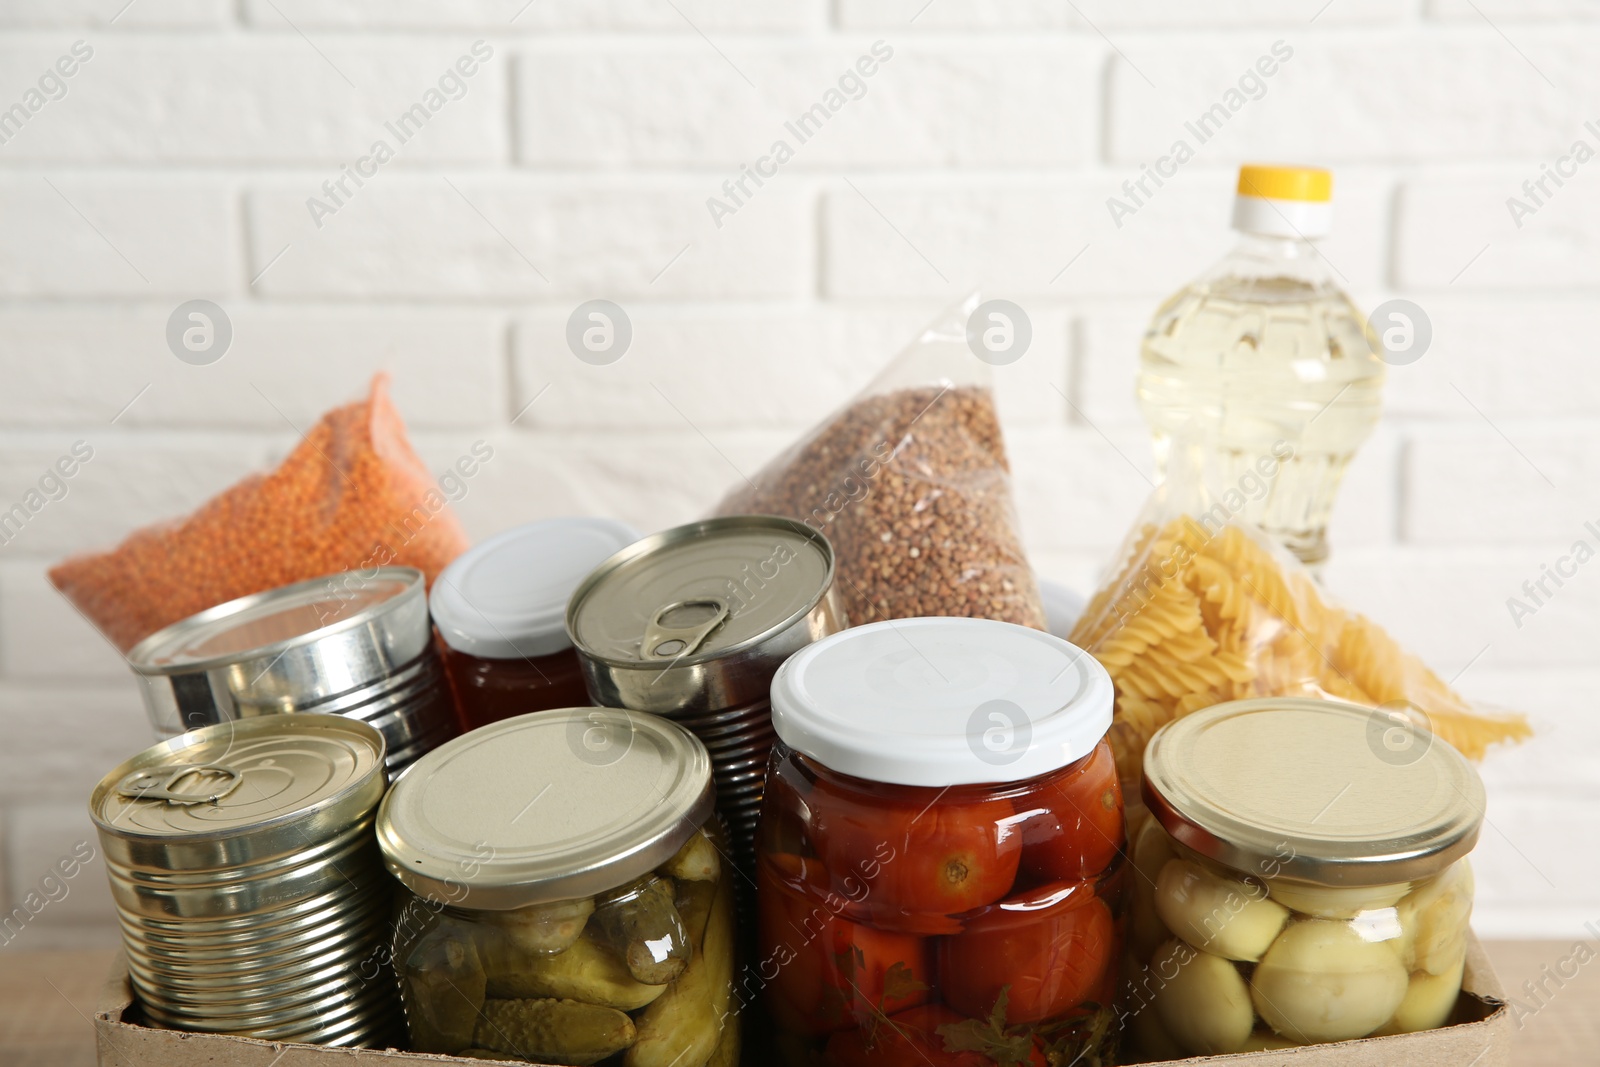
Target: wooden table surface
(47, 1004)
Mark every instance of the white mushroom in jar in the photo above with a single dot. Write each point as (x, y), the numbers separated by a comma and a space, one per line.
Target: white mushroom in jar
(1203, 1001)
(1429, 1000)
(1323, 981)
(1434, 920)
(1336, 902)
(1151, 851)
(1229, 917)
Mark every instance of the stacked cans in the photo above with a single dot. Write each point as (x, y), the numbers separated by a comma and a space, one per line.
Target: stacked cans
(357, 644)
(692, 623)
(248, 883)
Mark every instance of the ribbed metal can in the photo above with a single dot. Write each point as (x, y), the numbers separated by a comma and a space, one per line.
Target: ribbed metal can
(248, 883)
(357, 644)
(693, 622)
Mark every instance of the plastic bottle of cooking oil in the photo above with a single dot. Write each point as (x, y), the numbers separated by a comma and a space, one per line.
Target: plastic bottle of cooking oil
(1264, 356)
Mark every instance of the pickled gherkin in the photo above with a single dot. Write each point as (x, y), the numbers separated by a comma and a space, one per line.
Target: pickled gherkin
(642, 923)
(443, 987)
(587, 971)
(685, 1026)
(544, 929)
(554, 1031)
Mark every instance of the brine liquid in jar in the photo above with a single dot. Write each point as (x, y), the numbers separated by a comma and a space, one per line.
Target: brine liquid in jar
(1264, 363)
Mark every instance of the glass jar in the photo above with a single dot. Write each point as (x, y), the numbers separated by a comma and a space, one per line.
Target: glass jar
(569, 900)
(1301, 879)
(500, 609)
(489, 689)
(939, 857)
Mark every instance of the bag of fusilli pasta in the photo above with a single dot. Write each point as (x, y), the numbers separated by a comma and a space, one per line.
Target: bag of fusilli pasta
(1206, 608)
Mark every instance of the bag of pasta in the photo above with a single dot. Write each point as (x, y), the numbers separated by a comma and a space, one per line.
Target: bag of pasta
(1206, 608)
(910, 483)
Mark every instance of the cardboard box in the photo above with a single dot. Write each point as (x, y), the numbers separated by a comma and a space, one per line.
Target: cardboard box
(1480, 1036)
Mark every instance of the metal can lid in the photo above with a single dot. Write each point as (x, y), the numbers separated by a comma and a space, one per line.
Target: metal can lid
(552, 805)
(942, 701)
(507, 597)
(265, 777)
(700, 592)
(1314, 791)
(265, 625)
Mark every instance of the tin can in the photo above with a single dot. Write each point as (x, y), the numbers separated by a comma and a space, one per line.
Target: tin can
(693, 622)
(248, 883)
(356, 644)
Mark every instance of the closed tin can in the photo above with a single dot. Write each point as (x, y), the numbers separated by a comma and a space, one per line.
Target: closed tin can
(357, 644)
(693, 622)
(248, 883)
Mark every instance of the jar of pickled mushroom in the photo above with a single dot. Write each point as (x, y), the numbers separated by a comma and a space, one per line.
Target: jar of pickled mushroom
(500, 609)
(1301, 879)
(938, 874)
(569, 901)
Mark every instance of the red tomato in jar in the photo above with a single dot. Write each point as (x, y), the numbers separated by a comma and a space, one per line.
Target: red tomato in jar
(921, 855)
(1049, 949)
(909, 1039)
(1078, 832)
(827, 972)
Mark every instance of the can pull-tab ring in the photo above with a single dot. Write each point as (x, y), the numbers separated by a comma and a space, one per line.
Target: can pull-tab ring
(144, 785)
(677, 629)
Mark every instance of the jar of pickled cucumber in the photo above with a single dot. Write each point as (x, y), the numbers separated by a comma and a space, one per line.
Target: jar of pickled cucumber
(1302, 878)
(569, 898)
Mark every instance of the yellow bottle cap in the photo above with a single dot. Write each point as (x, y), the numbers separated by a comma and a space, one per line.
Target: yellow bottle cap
(1284, 201)
(1286, 183)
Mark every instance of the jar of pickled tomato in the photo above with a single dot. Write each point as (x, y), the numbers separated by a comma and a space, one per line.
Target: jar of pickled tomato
(1301, 879)
(938, 868)
(500, 609)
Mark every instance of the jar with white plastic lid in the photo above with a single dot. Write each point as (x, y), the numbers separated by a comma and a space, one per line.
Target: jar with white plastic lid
(1302, 878)
(939, 857)
(500, 608)
(568, 898)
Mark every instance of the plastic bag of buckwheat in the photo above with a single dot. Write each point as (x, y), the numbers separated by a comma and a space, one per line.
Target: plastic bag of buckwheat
(910, 483)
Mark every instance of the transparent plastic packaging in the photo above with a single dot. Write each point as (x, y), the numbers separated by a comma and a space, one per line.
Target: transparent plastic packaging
(1204, 608)
(1227, 961)
(911, 484)
(642, 973)
(907, 924)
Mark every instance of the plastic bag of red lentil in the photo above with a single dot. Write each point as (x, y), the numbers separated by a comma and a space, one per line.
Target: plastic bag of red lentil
(911, 484)
(352, 495)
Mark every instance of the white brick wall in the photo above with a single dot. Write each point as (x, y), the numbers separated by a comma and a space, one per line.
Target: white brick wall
(577, 164)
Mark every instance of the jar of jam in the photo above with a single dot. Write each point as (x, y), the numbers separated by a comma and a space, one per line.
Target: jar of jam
(939, 856)
(500, 609)
(1301, 879)
(567, 900)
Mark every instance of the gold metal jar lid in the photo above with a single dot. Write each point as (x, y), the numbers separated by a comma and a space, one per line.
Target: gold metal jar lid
(552, 805)
(1314, 791)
